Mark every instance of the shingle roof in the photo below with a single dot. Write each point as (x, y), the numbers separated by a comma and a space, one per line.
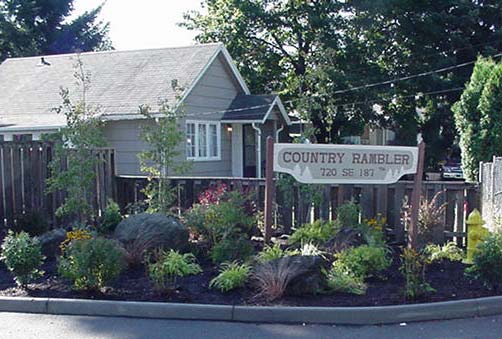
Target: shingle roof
(120, 81)
(249, 107)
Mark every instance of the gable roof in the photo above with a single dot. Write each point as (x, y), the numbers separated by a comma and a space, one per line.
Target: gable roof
(247, 108)
(120, 82)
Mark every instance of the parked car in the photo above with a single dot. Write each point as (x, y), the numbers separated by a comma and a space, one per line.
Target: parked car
(452, 170)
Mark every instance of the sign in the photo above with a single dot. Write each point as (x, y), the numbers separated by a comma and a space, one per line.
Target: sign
(345, 164)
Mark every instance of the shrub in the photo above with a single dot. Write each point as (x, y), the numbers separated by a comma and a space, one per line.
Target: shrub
(79, 234)
(430, 216)
(373, 231)
(487, 261)
(270, 253)
(448, 251)
(136, 251)
(272, 278)
(311, 250)
(232, 275)
(111, 217)
(365, 261)
(341, 279)
(23, 257)
(413, 265)
(91, 264)
(231, 249)
(34, 223)
(347, 215)
(317, 233)
(169, 266)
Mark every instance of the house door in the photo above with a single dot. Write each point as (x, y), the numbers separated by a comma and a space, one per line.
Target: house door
(249, 145)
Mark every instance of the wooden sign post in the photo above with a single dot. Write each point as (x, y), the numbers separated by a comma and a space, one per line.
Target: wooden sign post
(415, 198)
(269, 188)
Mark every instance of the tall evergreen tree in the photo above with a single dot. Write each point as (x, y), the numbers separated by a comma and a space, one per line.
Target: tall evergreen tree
(31, 27)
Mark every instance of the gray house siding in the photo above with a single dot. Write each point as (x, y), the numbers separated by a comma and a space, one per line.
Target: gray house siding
(214, 92)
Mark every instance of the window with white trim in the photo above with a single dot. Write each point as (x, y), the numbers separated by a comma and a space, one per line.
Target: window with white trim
(203, 140)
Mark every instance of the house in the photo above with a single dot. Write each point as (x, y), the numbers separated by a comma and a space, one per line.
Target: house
(226, 126)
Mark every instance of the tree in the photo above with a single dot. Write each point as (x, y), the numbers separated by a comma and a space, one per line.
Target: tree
(75, 146)
(34, 27)
(312, 51)
(468, 119)
(163, 135)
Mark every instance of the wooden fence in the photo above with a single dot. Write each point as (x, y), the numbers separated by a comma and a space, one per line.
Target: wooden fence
(386, 200)
(23, 174)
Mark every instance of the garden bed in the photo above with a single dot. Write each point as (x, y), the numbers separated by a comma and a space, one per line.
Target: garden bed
(447, 278)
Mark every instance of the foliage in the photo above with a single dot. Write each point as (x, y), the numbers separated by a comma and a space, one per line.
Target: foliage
(171, 265)
(318, 233)
(164, 136)
(49, 27)
(449, 251)
(232, 248)
(467, 119)
(312, 53)
(413, 265)
(232, 275)
(34, 223)
(91, 264)
(310, 249)
(23, 257)
(365, 261)
(226, 225)
(137, 251)
(487, 261)
(75, 145)
(274, 252)
(347, 215)
(78, 234)
(341, 279)
(272, 278)
(111, 217)
(373, 231)
(430, 216)
(490, 106)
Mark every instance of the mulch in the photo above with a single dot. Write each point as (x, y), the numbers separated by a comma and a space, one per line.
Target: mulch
(447, 278)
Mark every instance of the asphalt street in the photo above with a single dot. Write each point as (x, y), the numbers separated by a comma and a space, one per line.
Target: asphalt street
(27, 326)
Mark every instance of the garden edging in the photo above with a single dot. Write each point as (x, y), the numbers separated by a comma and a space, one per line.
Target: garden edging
(372, 315)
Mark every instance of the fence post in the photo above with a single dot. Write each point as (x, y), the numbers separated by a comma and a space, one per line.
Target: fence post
(415, 198)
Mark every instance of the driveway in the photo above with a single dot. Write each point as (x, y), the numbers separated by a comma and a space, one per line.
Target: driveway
(27, 326)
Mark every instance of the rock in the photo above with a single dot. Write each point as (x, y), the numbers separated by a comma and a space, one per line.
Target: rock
(153, 230)
(346, 237)
(51, 240)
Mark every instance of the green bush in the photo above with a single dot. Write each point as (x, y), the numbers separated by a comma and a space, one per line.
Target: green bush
(91, 264)
(365, 261)
(23, 257)
(347, 215)
(231, 249)
(413, 265)
(487, 261)
(341, 279)
(317, 233)
(232, 275)
(270, 253)
(449, 251)
(171, 265)
(111, 217)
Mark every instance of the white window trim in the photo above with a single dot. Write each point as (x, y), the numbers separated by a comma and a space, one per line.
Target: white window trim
(208, 136)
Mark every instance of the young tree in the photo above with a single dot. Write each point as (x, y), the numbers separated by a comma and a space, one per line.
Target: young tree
(164, 136)
(34, 27)
(468, 119)
(73, 167)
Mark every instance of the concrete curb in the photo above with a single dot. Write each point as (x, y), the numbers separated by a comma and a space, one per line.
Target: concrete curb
(259, 314)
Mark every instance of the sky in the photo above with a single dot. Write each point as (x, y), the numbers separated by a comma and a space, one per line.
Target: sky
(144, 24)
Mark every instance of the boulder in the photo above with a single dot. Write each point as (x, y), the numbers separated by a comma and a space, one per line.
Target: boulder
(51, 240)
(346, 237)
(154, 230)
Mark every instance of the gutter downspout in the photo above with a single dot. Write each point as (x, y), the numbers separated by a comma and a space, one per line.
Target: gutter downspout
(258, 150)
(277, 133)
